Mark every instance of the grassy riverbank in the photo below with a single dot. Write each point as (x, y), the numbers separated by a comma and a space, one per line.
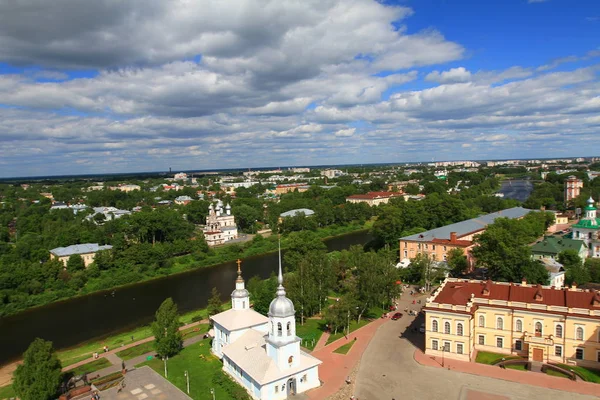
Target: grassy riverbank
(108, 280)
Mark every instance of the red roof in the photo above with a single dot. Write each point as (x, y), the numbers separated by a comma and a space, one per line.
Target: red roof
(459, 293)
(375, 195)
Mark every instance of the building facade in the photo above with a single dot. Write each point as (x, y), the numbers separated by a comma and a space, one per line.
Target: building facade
(587, 229)
(220, 225)
(373, 198)
(537, 322)
(263, 354)
(573, 187)
(552, 246)
(87, 251)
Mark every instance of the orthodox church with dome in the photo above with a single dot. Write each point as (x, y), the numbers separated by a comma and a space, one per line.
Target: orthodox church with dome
(263, 353)
(220, 225)
(588, 228)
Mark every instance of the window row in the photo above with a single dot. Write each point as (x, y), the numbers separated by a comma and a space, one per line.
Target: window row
(447, 327)
(446, 347)
(538, 328)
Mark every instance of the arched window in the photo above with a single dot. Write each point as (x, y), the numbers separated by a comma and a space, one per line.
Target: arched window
(447, 327)
(459, 329)
(538, 329)
(289, 329)
(579, 333)
(499, 323)
(559, 332)
(279, 329)
(434, 326)
(481, 321)
(519, 325)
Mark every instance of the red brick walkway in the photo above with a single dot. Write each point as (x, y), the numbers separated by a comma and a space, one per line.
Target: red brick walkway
(336, 367)
(531, 378)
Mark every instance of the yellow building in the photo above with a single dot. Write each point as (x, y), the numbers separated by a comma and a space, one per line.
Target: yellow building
(373, 198)
(537, 322)
(87, 251)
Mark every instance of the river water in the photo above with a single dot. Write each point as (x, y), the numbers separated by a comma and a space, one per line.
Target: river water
(70, 322)
(516, 189)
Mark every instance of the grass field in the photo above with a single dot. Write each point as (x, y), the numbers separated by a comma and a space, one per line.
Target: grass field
(138, 350)
(91, 367)
(204, 371)
(518, 367)
(344, 349)
(7, 392)
(590, 375)
(310, 332)
(556, 373)
(486, 357)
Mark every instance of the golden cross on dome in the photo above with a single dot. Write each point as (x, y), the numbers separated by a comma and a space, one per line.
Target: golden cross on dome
(239, 264)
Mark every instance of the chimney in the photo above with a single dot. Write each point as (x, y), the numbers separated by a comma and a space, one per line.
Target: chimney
(524, 282)
(452, 237)
(538, 294)
(487, 288)
(573, 287)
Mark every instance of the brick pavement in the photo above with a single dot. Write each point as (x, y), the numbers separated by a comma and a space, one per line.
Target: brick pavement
(537, 379)
(337, 367)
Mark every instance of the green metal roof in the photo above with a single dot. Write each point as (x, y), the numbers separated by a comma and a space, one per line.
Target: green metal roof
(554, 245)
(588, 224)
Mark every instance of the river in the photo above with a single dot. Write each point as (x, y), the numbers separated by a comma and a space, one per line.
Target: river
(516, 189)
(71, 322)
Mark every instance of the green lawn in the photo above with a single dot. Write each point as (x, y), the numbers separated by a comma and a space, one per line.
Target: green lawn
(204, 371)
(556, 373)
(344, 349)
(518, 367)
(310, 332)
(138, 350)
(486, 357)
(7, 392)
(590, 375)
(91, 367)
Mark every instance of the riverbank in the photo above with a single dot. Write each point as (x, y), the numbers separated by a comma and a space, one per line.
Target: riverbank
(107, 284)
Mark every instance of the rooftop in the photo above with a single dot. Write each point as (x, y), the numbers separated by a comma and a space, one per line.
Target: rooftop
(469, 226)
(293, 213)
(232, 320)
(555, 245)
(84, 248)
(375, 195)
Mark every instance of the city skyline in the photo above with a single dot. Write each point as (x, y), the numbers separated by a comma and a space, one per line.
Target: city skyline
(144, 86)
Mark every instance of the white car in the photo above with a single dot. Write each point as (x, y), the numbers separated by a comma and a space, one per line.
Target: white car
(422, 328)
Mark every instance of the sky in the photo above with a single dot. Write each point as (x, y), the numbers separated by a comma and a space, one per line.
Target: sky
(147, 85)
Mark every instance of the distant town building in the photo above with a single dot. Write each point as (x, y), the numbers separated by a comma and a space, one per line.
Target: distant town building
(299, 170)
(299, 211)
(551, 246)
(220, 225)
(126, 188)
(109, 213)
(183, 200)
(540, 323)
(291, 187)
(59, 205)
(87, 251)
(587, 229)
(332, 173)
(180, 176)
(373, 198)
(556, 272)
(174, 187)
(573, 187)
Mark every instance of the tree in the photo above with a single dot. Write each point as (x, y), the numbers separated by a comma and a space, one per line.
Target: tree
(214, 303)
(167, 338)
(576, 272)
(75, 263)
(457, 262)
(38, 378)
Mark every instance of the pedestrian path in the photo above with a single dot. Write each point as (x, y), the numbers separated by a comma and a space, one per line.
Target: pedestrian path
(337, 367)
(543, 380)
(322, 341)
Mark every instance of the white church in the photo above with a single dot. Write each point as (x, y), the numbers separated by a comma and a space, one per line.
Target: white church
(220, 225)
(263, 354)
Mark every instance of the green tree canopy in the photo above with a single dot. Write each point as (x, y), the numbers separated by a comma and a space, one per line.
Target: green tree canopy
(39, 376)
(167, 338)
(457, 262)
(214, 303)
(75, 263)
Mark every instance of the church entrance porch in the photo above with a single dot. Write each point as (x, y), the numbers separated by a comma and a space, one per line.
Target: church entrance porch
(291, 386)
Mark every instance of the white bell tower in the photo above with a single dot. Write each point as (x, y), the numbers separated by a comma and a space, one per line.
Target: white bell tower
(282, 343)
(240, 298)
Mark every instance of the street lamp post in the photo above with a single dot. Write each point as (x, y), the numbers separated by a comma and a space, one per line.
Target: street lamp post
(165, 361)
(187, 378)
(212, 391)
(443, 350)
(348, 323)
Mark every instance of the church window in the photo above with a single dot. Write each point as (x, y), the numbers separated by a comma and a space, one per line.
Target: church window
(276, 388)
(289, 329)
(279, 329)
(243, 304)
(291, 359)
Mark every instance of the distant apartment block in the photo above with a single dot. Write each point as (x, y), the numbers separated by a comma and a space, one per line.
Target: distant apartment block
(573, 187)
(183, 200)
(299, 170)
(87, 251)
(373, 198)
(332, 173)
(180, 176)
(291, 187)
(126, 188)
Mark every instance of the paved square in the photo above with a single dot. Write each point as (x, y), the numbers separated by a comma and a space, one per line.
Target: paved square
(145, 384)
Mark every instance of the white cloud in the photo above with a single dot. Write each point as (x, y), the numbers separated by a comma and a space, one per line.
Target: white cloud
(345, 132)
(453, 75)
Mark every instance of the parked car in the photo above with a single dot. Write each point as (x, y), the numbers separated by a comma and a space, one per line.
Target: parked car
(422, 328)
(396, 316)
